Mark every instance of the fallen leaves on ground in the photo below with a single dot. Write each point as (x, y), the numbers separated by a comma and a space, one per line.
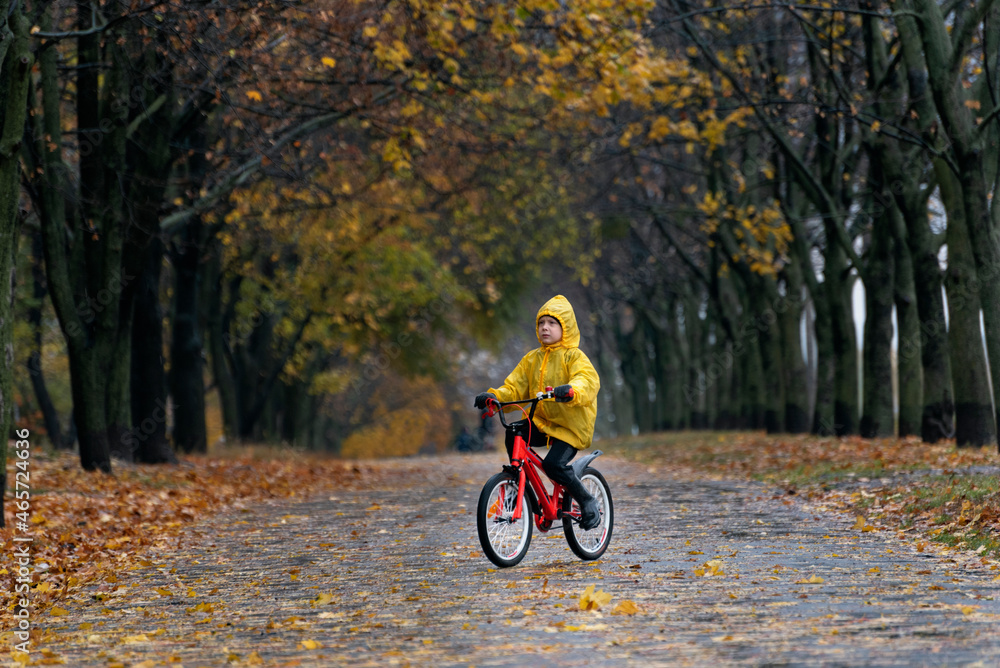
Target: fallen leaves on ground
(625, 608)
(860, 524)
(86, 527)
(712, 567)
(946, 494)
(593, 600)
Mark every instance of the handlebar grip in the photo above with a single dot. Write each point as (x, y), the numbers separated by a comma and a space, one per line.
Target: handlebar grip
(564, 393)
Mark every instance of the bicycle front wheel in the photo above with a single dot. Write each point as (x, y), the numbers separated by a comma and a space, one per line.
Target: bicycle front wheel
(591, 544)
(504, 539)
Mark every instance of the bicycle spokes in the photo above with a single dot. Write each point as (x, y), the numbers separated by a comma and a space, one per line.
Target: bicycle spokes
(506, 535)
(497, 506)
(502, 510)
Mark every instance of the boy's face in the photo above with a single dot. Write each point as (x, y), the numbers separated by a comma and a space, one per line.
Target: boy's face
(549, 330)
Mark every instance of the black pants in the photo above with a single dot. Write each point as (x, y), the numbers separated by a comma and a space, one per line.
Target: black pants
(556, 462)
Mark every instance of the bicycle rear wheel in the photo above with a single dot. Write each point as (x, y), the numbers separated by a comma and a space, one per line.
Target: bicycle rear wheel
(589, 545)
(505, 540)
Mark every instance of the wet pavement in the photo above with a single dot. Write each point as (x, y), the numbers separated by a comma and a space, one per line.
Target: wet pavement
(720, 573)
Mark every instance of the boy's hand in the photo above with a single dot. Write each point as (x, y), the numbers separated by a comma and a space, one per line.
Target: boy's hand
(482, 399)
(563, 393)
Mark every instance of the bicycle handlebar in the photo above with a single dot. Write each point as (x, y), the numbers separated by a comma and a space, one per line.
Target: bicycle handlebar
(494, 407)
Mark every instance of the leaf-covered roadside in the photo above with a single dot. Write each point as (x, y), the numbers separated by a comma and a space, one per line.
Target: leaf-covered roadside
(87, 527)
(935, 492)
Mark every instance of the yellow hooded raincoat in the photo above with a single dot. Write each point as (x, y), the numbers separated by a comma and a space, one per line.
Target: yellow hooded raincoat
(561, 363)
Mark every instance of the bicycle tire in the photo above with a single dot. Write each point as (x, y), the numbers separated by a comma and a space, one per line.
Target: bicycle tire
(590, 545)
(504, 542)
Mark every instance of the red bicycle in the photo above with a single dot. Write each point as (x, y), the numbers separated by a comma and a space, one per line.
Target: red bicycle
(511, 498)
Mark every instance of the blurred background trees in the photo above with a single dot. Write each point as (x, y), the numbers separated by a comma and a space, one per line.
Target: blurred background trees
(329, 223)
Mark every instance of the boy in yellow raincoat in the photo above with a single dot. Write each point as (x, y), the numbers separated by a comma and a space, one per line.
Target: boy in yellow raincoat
(568, 425)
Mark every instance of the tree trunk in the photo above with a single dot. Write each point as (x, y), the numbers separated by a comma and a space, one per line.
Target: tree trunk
(149, 381)
(219, 343)
(646, 412)
(86, 286)
(94, 349)
(721, 367)
(76, 275)
(822, 330)
(187, 384)
(288, 422)
(726, 363)
(938, 411)
(908, 187)
(87, 371)
(896, 193)
(770, 353)
(967, 149)
(669, 379)
(909, 366)
(754, 406)
(697, 380)
(635, 372)
(653, 365)
(49, 412)
(119, 400)
(15, 68)
(250, 357)
(761, 328)
(738, 419)
(985, 240)
(789, 310)
(684, 403)
(260, 414)
(839, 285)
(297, 415)
(974, 422)
(618, 421)
(824, 420)
(877, 421)
(746, 349)
(149, 155)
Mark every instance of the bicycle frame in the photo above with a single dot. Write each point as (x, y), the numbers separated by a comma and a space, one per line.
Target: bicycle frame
(529, 474)
(527, 464)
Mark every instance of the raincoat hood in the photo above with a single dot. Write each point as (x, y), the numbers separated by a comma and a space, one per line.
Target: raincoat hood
(562, 363)
(559, 308)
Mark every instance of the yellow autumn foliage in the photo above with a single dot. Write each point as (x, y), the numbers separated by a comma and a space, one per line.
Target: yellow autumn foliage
(407, 417)
(762, 233)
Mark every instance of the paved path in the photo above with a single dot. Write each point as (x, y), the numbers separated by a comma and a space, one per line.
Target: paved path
(393, 575)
